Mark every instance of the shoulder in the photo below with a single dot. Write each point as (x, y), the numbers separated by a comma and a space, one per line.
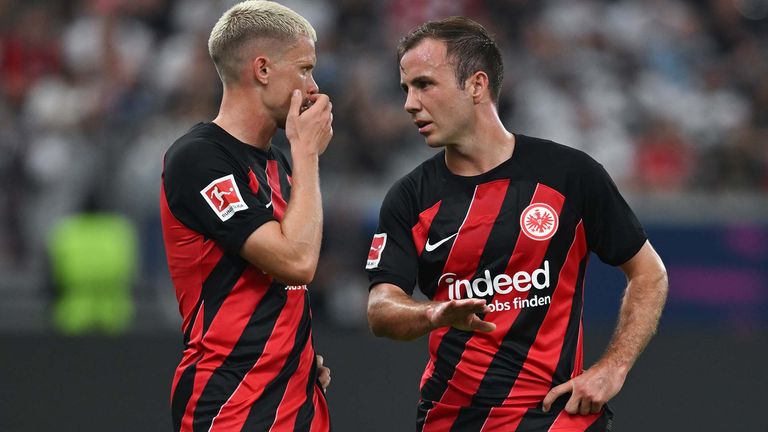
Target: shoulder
(200, 146)
(417, 188)
(424, 177)
(558, 156)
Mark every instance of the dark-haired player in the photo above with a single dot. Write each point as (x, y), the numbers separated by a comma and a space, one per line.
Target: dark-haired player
(496, 230)
(242, 232)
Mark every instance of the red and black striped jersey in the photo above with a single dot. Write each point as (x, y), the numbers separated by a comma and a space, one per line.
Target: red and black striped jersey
(248, 361)
(519, 237)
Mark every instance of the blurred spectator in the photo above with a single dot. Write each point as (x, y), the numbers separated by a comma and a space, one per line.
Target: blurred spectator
(664, 159)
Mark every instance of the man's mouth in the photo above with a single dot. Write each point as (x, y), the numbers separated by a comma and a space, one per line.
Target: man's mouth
(422, 125)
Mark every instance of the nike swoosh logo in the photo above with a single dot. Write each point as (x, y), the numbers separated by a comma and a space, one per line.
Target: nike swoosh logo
(269, 204)
(431, 247)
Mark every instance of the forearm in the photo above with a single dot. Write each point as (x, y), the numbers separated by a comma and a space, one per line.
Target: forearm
(399, 318)
(639, 315)
(302, 224)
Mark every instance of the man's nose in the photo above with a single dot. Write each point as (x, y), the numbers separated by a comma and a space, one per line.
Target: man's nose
(412, 103)
(313, 87)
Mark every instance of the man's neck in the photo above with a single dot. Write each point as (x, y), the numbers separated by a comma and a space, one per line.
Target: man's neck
(484, 148)
(245, 119)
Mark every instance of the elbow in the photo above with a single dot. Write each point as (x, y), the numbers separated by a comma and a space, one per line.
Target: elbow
(374, 324)
(377, 324)
(302, 270)
(300, 276)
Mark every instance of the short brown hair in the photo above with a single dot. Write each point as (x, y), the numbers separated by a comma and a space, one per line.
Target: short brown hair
(469, 48)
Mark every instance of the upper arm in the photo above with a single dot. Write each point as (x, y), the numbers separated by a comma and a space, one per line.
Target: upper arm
(645, 263)
(613, 231)
(211, 193)
(392, 257)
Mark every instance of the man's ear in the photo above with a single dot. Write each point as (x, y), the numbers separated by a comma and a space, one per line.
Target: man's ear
(478, 85)
(262, 67)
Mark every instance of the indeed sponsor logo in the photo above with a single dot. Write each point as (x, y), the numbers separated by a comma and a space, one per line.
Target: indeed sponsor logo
(487, 285)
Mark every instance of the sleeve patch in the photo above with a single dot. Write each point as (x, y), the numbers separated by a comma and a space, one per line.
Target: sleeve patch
(377, 247)
(224, 197)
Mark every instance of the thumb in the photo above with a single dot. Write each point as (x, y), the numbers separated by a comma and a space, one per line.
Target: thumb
(296, 100)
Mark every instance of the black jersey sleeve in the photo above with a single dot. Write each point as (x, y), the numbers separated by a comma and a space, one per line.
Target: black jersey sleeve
(209, 191)
(393, 258)
(612, 229)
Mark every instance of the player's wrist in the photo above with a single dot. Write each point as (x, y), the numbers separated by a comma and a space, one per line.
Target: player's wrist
(614, 367)
(433, 316)
(304, 156)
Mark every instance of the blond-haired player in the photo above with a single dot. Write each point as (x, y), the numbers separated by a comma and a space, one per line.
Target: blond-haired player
(242, 230)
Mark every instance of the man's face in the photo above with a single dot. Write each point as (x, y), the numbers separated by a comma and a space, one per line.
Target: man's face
(439, 108)
(291, 70)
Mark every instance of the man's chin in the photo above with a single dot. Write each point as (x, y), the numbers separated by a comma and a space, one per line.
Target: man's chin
(432, 142)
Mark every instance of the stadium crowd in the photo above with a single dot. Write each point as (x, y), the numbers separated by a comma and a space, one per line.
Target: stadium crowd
(669, 95)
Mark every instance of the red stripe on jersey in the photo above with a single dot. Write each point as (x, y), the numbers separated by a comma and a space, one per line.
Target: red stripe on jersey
(535, 377)
(193, 351)
(234, 412)
(273, 178)
(320, 422)
(440, 417)
(578, 361)
(574, 422)
(463, 260)
(420, 231)
(295, 391)
(482, 347)
(503, 419)
(253, 182)
(190, 260)
(428, 371)
(225, 330)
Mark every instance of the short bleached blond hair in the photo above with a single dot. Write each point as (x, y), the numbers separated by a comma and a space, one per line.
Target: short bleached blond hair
(248, 21)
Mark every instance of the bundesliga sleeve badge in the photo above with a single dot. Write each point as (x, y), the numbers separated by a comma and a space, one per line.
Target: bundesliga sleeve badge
(224, 197)
(377, 247)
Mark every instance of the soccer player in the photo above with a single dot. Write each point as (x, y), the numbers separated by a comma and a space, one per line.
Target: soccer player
(242, 231)
(496, 230)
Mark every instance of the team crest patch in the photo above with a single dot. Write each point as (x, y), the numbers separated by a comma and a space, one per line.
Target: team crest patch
(377, 247)
(224, 197)
(539, 221)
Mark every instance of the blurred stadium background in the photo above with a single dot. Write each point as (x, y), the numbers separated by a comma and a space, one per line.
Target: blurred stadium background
(670, 95)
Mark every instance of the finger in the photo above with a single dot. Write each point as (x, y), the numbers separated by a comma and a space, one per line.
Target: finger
(319, 360)
(596, 407)
(585, 406)
(555, 393)
(296, 101)
(467, 305)
(480, 325)
(318, 102)
(325, 381)
(572, 407)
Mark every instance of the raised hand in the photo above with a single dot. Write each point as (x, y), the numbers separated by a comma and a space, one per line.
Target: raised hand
(460, 314)
(309, 131)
